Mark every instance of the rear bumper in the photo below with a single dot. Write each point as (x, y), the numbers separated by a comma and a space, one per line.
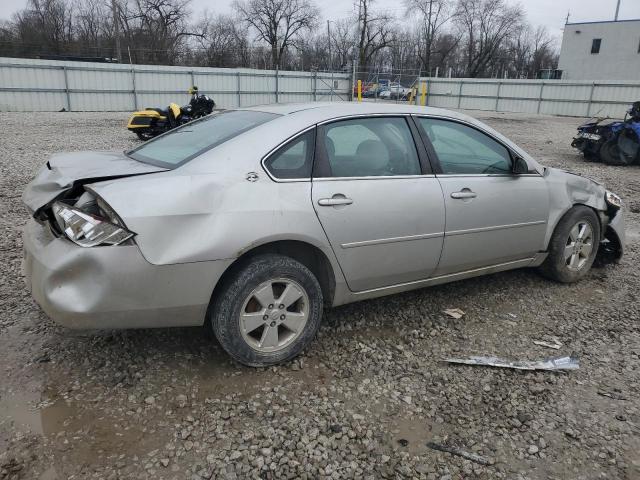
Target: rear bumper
(113, 287)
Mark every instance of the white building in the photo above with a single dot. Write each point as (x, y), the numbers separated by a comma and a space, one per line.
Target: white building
(601, 51)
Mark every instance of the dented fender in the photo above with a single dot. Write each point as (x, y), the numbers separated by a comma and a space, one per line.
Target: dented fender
(566, 190)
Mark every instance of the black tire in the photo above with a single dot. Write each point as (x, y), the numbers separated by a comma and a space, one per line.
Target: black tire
(611, 155)
(237, 290)
(144, 136)
(556, 266)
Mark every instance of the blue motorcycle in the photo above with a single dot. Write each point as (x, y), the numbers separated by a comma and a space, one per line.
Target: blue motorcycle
(614, 143)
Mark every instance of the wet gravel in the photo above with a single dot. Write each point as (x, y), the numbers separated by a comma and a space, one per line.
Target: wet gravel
(363, 401)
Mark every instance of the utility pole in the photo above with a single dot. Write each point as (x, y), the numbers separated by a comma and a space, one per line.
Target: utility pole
(617, 10)
(356, 48)
(116, 29)
(329, 40)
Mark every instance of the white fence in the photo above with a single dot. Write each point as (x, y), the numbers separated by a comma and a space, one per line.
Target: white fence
(551, 97)
(49, 85)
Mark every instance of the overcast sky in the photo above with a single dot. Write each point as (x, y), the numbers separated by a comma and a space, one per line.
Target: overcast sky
(551, 13)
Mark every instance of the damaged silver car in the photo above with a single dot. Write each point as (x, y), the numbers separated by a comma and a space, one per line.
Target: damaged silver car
(251, 221)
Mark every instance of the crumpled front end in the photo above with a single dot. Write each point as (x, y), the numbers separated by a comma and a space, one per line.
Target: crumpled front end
(568, 189)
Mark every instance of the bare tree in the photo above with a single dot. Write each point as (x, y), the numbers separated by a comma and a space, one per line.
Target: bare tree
(93, 23)
(544, 54)
(45, 22)
(278, 22)
(485, 26)
(218, 45)
(485, 38)
(160, 26)
(342, 40)
(375, 33)
(433, 15)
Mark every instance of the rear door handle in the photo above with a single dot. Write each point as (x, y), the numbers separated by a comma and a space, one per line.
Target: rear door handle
(464, 193)
(335, 200)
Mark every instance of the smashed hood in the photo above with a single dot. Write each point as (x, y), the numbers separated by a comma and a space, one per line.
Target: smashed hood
(63, 170)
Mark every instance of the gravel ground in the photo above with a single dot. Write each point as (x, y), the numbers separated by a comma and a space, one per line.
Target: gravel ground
(366, 397)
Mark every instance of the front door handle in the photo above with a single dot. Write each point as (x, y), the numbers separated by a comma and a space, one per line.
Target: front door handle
(337, 199)
(464, 193)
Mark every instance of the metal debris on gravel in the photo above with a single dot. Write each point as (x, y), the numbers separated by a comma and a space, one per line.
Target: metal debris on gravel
(558, 363)
(474, 457)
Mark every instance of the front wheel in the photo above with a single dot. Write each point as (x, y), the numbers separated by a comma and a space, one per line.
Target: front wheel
(268, 312)
(612, 154)
(573, 246)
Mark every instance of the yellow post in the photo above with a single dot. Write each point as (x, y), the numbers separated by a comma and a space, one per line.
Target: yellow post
(359, 90)
(423, 94)
(411, 95)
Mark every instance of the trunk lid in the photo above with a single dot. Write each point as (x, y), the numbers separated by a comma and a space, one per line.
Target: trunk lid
(65, 170)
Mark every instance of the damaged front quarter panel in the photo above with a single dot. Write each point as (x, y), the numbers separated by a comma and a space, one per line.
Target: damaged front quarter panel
(567, 189)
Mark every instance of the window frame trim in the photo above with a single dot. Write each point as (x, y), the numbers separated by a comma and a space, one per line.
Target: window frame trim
(437, 167)
(321, 164)
(282, 144)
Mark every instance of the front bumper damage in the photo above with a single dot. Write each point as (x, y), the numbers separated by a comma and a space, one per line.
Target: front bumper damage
(113, 287)
(614, 240)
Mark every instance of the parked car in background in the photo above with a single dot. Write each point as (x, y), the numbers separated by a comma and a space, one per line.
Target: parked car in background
(395, 91)
(251, 221)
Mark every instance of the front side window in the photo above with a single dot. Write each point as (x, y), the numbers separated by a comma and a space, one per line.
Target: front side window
(194, 138)
(595, 45)
(464, 150)
(368, 147)
(293, 160)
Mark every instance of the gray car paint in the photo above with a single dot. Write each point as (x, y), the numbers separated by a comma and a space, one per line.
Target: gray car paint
(403, 233)
(204, 215)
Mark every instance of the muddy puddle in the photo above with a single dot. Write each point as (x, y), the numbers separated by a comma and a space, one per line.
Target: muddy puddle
(83, 417)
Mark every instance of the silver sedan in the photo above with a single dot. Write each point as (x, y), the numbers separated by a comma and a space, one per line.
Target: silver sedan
(251, 221)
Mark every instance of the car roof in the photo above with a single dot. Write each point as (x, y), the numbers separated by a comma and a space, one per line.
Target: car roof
(318, 111)
(294, 118)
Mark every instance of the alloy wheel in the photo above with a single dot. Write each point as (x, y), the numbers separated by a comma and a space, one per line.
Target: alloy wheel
(579, 246)
(274, 314)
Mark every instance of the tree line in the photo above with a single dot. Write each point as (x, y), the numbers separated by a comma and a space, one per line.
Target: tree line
(461, 38)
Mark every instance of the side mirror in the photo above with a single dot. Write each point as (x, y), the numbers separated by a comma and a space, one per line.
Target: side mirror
(520, 166)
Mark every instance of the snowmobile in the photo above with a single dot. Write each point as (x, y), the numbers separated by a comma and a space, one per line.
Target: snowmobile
(614, 142)
(151, 122)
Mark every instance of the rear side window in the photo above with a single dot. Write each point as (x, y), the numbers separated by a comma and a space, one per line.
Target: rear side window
(370, 147)
(188, 141)
(293, 160)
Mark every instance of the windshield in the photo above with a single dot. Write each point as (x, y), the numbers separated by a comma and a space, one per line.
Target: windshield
(188, 141)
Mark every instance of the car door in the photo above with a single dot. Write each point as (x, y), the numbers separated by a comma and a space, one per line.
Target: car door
(377, 200)
(493, 216)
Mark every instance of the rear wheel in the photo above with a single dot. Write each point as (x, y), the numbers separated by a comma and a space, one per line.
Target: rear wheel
(268, 312)
(573, 246)
(144, 136)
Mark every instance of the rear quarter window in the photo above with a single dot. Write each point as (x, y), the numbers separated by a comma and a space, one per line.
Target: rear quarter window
(293, 160)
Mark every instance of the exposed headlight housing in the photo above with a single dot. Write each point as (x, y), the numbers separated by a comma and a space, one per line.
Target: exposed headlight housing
(89, 230)
(613, 199)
